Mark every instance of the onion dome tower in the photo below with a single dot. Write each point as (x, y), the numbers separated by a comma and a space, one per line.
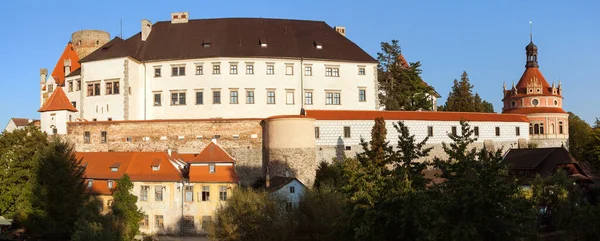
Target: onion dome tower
(540, 102)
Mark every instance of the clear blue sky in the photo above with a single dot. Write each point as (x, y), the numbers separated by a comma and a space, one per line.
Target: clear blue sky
(484, 38)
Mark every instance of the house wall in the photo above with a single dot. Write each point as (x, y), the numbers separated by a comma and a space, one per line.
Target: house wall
(55, 118)
(104, 106)
(170, 206)
(199, 209)
(294, 198)
(10, 126)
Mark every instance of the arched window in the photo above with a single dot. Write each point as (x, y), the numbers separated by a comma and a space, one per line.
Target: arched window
(536, 129)
(530, 129)
(560, 127)
(541, 129)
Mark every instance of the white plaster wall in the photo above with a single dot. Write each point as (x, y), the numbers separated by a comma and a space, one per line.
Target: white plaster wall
(10, 126)
(348, 83)
(103, 106)
(74, 95)
(295, 197)
(136, 95)
(55, 118)
(332, 132)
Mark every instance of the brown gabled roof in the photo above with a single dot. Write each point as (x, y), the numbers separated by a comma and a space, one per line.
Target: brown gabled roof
(22, 121)
(413, 115)
(278, 182)
(543, 161)
(57, 101)
(235, 37)
(116, 48)
(59, 69)
(213, 153)
(76, 72)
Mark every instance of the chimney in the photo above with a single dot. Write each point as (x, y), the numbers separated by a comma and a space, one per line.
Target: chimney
(169, 151)
(67, 64)
(268, 179)
(179, 17)
(43, 75)
(214, 140)
(146, 29)
(341, 30)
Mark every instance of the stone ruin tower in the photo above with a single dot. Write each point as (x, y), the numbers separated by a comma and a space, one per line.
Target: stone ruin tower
(87, 41)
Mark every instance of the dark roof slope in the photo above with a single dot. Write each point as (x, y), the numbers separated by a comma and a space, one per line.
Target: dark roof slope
(237, 37)
(544, 160)
(22, 121)
(116, 48)
(278, 182)
(76, 72)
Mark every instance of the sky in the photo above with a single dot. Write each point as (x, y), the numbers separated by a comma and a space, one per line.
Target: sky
(486, 39)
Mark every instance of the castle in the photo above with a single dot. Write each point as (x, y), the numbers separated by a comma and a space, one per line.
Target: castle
(269, 94)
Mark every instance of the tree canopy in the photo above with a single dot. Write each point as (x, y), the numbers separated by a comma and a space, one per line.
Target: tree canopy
(462, 99)
(400, 86)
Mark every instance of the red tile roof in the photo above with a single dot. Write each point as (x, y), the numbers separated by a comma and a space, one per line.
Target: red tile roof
(531, 110)
(98, 164)
(528, 76)
(138, 165)
(221, 174)
(213, 153)
(413, 115)
(140, 168)
(59, 70)
(100, 187)
(57, 101)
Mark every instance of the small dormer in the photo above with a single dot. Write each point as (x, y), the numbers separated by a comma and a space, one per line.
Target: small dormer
(206, 43)
(262, 42)
(155, 164)
(179, 17)
(318, 44)
(115, 167)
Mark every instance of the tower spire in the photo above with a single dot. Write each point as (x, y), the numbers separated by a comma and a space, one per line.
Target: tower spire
(530, 32)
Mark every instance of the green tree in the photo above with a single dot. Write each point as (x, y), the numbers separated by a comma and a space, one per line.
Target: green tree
(558, 196)
(402, 87)
(17, 168)
(91, 225)
(58, 194)
(125, 213)
(322, 216)
(462, 99)
(581, 138)
(584, 225)
(480, 200)
(330, 175)
(251, 215)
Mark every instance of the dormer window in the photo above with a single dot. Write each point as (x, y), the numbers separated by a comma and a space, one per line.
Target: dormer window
(318, 45)
(110, 184)
(115, 167)
(155, 164)
(206, 43)
(263, 43)
(211, 168)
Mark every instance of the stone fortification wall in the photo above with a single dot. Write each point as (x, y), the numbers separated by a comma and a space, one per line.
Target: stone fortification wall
(241, 138)
(87, 41)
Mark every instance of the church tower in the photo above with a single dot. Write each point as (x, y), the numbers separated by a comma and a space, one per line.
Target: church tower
(540, 102)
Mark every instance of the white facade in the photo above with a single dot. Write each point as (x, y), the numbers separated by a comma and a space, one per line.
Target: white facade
(53, 122)
(288, 80)
(291, 192)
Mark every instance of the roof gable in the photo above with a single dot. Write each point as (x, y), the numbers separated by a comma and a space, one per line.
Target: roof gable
(58, 101)
(59, 70)
(116, 48)
(213, 153)
(21, 121)
(542, 160)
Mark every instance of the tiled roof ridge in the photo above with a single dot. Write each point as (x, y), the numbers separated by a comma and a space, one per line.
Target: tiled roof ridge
(57, 101)
(206, 149)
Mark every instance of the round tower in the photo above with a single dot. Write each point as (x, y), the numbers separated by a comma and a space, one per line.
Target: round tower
(540, 102)
(87, 41)
(290, 147)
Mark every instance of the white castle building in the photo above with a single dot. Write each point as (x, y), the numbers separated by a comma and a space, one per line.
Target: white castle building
(273, 92)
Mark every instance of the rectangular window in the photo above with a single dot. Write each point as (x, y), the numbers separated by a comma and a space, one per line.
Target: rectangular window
(116, 89)
(78, 85)
(347, 132)
(292, 189)
(112, 88)
(332, 72)
(205, 193)
(178, 98)
(110, 184)
(223, 193)
(189, 193)
(159, 222)
(157, 99)
(94, 89)
(199, 97)
(90, 183)
(206, 220)
(454, 130)
(250, 97)
(211, 168)
(308, 98)
(361, 71)
(50, 88)
(103, 136)
(289, 97)
(216, 69)
(517, 131)
(144, 222)
(317, 132)
(271, 97)
(144, 193)
(233, 69)
(332, 98)
(157, 72)
(270, 69)
(86, 137)
(497, 131)
(217, 97)
(249, 69)
(188, 222)
(336, 72)
(289, 70)
(308, 71)
(476, 130)
(199, 70)
(158, 193)
(430, 131)
(362, 95)
(109, 88)
(233, 97)
(178, 71)
(70, 86)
